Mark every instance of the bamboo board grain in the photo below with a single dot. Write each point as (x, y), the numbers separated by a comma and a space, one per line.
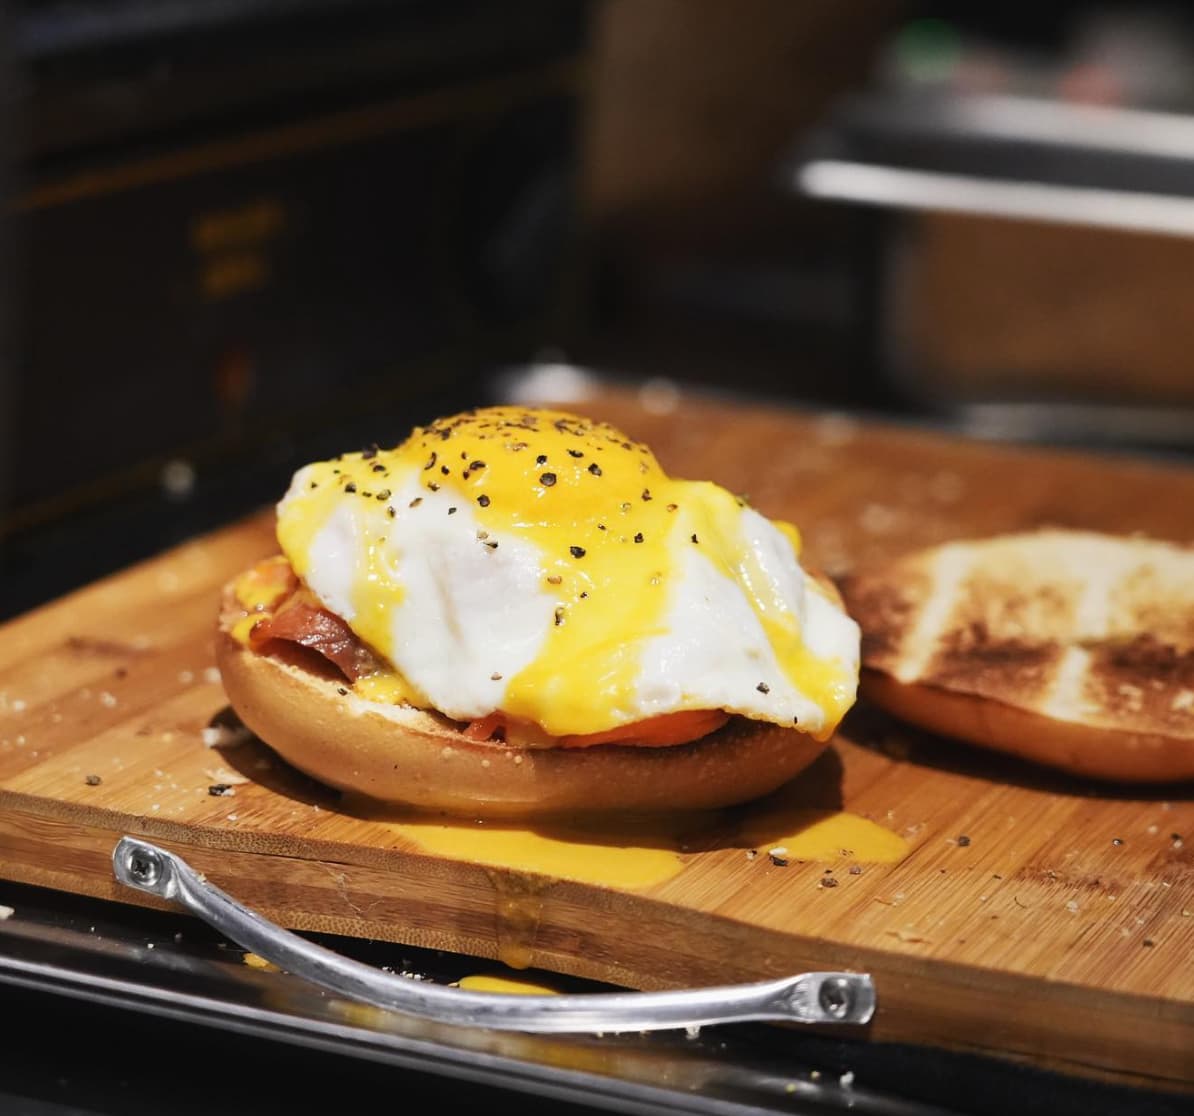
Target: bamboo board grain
(1059, 931)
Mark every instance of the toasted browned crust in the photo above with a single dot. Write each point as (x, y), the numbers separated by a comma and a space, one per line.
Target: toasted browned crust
(404, 755)
(1068, 648)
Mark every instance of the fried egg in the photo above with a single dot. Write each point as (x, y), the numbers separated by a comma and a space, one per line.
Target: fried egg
(545, 566)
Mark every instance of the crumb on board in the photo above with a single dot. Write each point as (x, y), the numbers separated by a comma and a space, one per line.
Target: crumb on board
(779, 856)
(225, 775)
(6, 912)
(93, 780)
(221, 736)
(221, 790)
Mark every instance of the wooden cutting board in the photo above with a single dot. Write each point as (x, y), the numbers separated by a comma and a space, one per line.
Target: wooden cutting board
(999, 908)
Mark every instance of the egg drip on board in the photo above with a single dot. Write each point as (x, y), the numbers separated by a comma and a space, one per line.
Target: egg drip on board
(544, 565)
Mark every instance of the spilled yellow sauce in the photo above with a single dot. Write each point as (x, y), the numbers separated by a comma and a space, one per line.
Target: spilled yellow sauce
(518, 907)
(604, 857)
(822, 835)
(634, 852)
(611, 531)
(256, 961)
(493, 982)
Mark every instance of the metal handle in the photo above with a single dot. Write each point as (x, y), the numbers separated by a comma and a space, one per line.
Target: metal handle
(822, 997)
(894, 187)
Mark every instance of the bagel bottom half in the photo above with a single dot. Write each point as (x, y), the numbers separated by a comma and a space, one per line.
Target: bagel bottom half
(405, 756)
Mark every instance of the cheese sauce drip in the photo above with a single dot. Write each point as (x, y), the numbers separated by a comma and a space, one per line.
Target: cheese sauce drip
(586, 538)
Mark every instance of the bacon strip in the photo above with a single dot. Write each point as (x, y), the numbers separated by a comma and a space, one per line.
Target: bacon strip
(301, 620)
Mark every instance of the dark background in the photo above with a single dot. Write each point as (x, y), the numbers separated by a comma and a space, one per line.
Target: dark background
(245, 233)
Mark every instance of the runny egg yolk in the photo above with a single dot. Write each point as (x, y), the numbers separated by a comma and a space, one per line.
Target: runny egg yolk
(609, 535)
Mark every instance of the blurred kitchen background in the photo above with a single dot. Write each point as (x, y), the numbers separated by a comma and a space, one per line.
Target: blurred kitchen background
(244, 233)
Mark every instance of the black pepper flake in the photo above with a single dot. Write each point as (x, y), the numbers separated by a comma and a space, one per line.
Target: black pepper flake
(541, 459)
(778, 859)
(963, 841)
(583, 595)
(473, 466)
(600, 526)
(390, 511)
(378, 467)
(383, 495)
(559, 615)
(576, 551)
(647, 494)
(93, 780)
(433, 486)
(828, 881)
(1148, 943)
(763, 688)
(350, 487)
(370, 451)
(492, 544)
(218, 790)
(638, 538)
(547, 479)
(575, 453)
(445, 470)
(672, 507)
(452, 511)
(313, 484)
(341, 690)
(694, 538)
(594, 468)
(430, 462)
(495, 677)
(415, 502)
(483, 500)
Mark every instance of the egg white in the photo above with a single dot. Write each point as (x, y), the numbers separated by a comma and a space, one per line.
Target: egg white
(468, 616)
